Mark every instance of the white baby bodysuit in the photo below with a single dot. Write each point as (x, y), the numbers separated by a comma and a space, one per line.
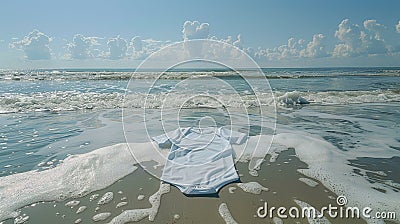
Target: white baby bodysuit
(200, 160)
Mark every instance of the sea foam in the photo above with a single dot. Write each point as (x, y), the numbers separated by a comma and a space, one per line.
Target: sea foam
(81, 174)
(139, 214)
(101, 216)
(252, 187)
(77, 176)
(330, 166)
(75, 100)
(226, 214)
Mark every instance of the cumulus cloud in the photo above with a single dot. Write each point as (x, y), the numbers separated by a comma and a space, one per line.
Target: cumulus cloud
(35, 45)
(372, 45)
(195, 30)
(348, 32)
(368, 38)
(350, 35)
(286, 51)
(239, 42)
(136, 44)
(81, 47)
(315, 48)
(117, 47)
(374, 27)
(356, 40)
(342, 50)
(139, 48)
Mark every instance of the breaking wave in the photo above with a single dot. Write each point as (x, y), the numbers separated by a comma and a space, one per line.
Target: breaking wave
(75, 100)
(126, 75)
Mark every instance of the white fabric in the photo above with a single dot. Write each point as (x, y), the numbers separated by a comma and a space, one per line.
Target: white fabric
(200, 159)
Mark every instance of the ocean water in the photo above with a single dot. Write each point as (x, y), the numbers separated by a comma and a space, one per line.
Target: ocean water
(342, 122)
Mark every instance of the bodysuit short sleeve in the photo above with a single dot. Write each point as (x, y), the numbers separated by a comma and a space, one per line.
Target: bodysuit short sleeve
(200, 161)
(165, 140)
(234, 137)
(172, 137)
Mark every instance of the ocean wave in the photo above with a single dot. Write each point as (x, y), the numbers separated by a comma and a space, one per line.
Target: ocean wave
(107, 75)
(351, 97)
(178, 75)
(75, 100)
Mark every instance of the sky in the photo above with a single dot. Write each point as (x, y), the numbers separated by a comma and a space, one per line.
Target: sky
(122, 33)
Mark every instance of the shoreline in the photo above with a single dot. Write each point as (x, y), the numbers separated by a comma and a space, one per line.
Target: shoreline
(280, 177)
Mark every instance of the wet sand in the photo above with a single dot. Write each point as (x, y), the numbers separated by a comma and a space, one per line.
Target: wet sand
(280, 177)
(379, 170)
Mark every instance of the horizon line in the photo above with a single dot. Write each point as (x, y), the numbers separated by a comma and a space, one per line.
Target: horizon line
(193, 68)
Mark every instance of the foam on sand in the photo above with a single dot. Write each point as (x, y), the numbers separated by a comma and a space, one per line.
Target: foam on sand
(77, 176)
(81, 209)
(252, 187)
(82, 174)
(140, 197)
(277, 220)
(231, 190)
(106, 198)
(72, 203)
(226, 214)
(136, 215)
(121, 204)
(93, 197)
(308, 181)
(330, 166)
(130, 216)
(101, 216)
(310, 218)
(21, 219)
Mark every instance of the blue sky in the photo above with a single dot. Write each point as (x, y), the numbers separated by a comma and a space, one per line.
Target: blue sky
(276, 33)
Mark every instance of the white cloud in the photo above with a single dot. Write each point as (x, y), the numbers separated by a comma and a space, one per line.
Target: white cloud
(350, 36)
(372, 45)
(223, 48)
(227, 40)
(315, 48)
(301, 42)
(35, 45)
(356, 41)
(342, 50)
(137, 48)
(239, 42)
(374, 27)
(347, 32)
(195, 30)
(136, 44)
(285, 51)
(140, 49)
(352, 40)
(117, 47)
(81, 47)
(149, 44)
